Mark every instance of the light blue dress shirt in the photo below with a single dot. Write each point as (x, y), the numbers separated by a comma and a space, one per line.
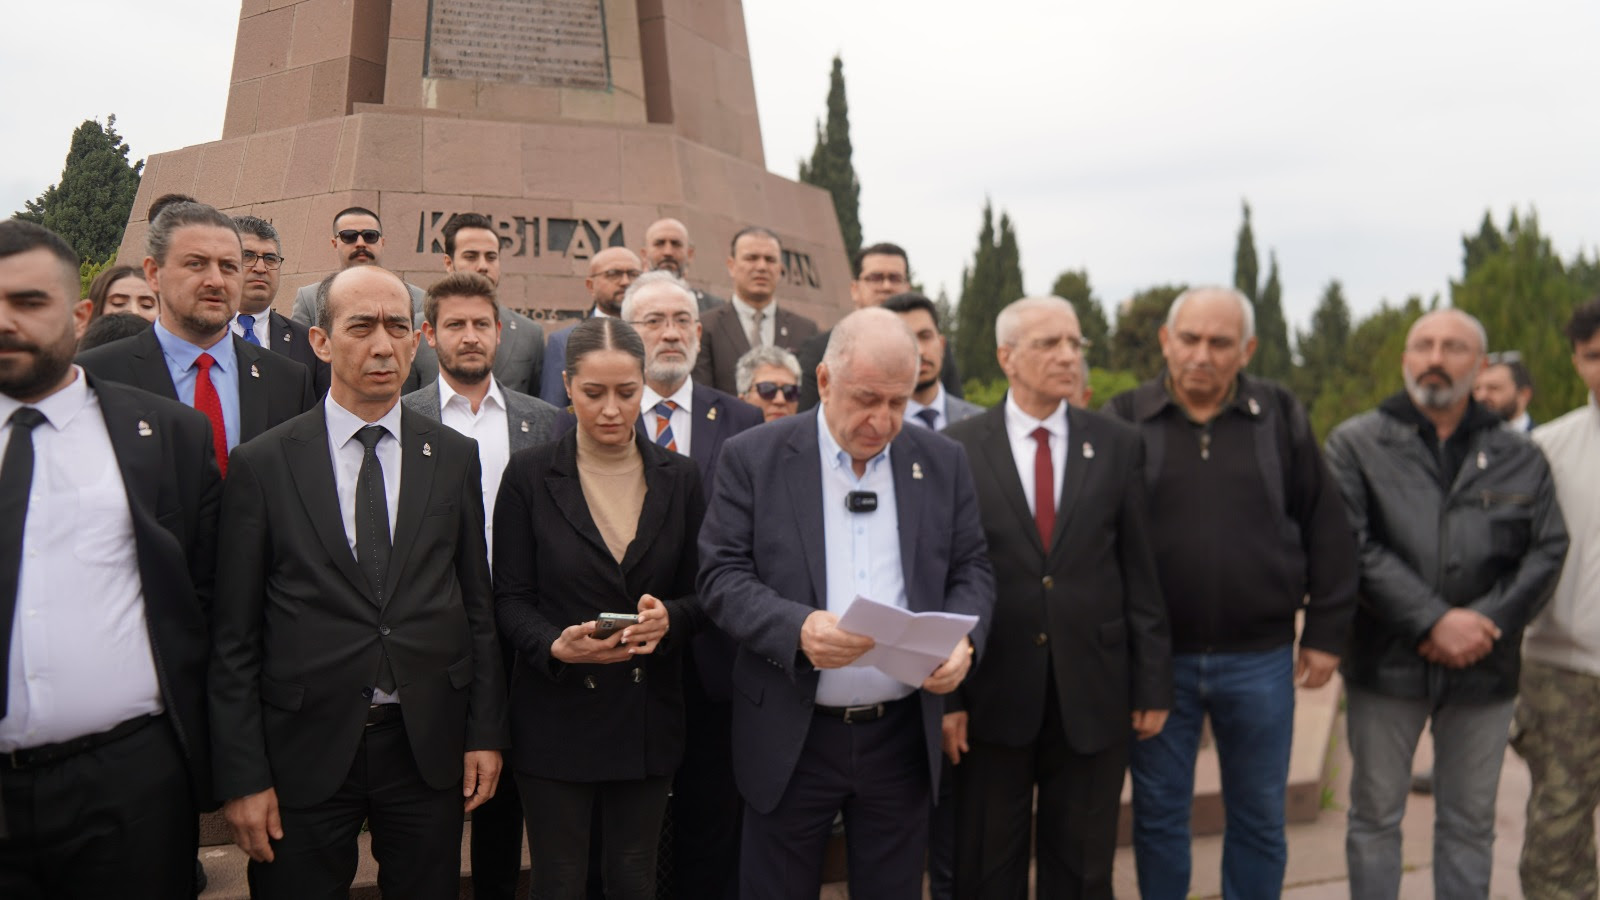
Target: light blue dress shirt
(180, 356)
(863, 559)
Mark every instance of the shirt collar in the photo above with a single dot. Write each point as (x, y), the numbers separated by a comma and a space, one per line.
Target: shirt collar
(343, 424)
(683, 396)
(59, 408)
(745, 309)
(1019, 422)
(938, 404)
(184, 353)
(448, 395)
(833, 455)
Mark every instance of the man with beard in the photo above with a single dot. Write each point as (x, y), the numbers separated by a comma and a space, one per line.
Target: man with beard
(195, 263)
(610, 272)
(754, 318)
(471, 244)
(108, 513)
(358, 241)
(1505, 386)
(462, 325)
(257, 322)
(931, 405)
(667, 248)
(1460, 540)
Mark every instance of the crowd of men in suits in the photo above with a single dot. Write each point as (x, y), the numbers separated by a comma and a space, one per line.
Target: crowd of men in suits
(245, 561)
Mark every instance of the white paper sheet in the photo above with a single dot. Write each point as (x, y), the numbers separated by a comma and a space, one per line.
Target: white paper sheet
(909, 645)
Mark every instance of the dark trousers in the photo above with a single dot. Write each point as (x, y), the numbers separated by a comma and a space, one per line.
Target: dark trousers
(877, 773)
(706, 805)
(942, 836)
(416, 831)
(115, 821)
(497, 843)
(559, 818)
(1080, 796)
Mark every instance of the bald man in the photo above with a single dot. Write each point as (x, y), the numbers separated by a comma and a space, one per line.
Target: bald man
(667, 246)
(1460, 543)
(610, 272)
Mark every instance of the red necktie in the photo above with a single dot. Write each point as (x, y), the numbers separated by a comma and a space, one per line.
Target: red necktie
(207, 401)
(1044, 487)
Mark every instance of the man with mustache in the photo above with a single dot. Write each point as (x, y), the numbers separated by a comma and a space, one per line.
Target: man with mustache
(1460, 540)
(1505, 386)
(754, 318)
(667, 247)
(257, 322)
(358, 241)
(195, 262)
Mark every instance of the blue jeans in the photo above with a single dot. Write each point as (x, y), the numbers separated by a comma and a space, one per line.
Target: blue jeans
(1250, 699)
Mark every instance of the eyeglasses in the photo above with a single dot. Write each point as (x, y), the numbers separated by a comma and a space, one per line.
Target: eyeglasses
(619, 274)
(271, 260)
(1505, 357)
(1048, 344)
(893, 279)
(683, 321)
(766, 390)
(349, 235)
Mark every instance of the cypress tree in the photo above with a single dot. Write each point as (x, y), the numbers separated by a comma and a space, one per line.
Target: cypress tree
(1272, 358)
(830, 167)
(1246, 269)
(89, 207)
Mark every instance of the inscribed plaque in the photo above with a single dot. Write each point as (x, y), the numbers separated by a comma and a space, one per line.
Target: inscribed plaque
(550, 43)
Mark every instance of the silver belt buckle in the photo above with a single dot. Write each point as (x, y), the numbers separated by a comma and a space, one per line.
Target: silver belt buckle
(850, 712)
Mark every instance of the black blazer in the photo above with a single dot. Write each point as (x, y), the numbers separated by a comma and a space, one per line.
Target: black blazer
(299, 634)
(1089, 609)
(281, 391)
(551, 570)
(174, 488)
(293, 340)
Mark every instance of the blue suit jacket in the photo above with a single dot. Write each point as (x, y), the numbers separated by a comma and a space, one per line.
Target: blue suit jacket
(763, 571)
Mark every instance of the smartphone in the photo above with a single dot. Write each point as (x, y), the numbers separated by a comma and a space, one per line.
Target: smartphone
(608, 624)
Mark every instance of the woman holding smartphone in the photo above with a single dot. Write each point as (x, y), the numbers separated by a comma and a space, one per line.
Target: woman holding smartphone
(600, 521)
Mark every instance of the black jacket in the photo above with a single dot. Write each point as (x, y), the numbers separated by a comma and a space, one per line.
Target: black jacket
(1493, 542)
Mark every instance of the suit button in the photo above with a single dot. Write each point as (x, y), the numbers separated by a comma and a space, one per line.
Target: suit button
(383, 630)
(1048, 582)
(588, 682)
(1040, 639)
(638, 675)
(366, 692)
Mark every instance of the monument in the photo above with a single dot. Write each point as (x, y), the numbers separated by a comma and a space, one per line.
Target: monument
(572, 123)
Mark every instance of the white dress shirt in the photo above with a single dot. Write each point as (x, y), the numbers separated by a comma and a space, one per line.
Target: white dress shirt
(263, 334)
(747, 316)
(1567, 632)
(491, 429)
(682, 418)
(1019, 429)
(81, 661)
(939, 422)
(863, 559)
(348, 453)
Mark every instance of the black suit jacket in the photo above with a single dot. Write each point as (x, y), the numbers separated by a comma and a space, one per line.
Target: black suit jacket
(552, 569)
(174, 488)
(764, 570)
(1087, 609)
(280, 391)
(723, 340)
(299, 634)
(293, 340)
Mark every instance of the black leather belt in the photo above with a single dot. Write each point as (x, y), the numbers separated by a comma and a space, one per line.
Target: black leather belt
(853, 715)
(49, 754)
(378, 713)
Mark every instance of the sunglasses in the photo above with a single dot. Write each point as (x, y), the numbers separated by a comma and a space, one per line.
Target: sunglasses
(350, 235)
(766, 390)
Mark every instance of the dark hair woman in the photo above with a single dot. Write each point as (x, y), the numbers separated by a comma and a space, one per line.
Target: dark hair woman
(122, 289)
(599, 521)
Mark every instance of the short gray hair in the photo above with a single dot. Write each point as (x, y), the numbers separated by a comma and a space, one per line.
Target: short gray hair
(769, 355)
(1247, 309)
(861, 323)
(659, 277)
(182, 215)
(1009, 322)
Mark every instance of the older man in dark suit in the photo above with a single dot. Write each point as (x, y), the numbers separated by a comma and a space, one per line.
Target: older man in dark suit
(1079, 659)
(195, 262)
(808, 513)
(108, 510)
(356, 675)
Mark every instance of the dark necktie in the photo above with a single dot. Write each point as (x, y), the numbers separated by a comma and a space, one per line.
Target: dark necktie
(209, 402)
(664, 435)
(1044, 487)
(930, 417)
(15, 486)
(248, 323)
(372, 528)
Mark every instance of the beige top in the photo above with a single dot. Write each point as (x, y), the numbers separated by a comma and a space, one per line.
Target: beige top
(613, 485)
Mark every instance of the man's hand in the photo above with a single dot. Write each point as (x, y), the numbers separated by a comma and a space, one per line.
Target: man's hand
(253, 819)
(827, 645)
(1460, 638)
(948, 676)
(954, 736)
(480, 773)
(1314, 667)
(1147, 723)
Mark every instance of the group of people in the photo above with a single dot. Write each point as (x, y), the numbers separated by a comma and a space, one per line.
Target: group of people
(399, 557)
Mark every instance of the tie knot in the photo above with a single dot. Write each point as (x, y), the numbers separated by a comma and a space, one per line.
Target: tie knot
(27, 418)
(930, 416)
(664, 408)
(1042, 435)
(205, 361)
(247, 322)
(370, 435)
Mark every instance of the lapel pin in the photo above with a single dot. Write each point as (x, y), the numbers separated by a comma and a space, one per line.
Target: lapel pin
(916, 471)
(524, 426)
(286, 337)
(784, 330)
(254, 373)
(711, 414)
(144, 429)
(1483, 460)
(1088, 450)
(427, 449)
(513, 324)
(1255, 408)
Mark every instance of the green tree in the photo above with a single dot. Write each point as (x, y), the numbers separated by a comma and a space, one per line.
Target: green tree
(1272, 359)
(1475, 248)
(1135, 346)
(1246, 268)
(830, 167)
(89, 207)
(1322, 348)
(1073, 286)
(993, 280)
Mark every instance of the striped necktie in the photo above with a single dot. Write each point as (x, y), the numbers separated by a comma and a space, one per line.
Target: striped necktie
(664, 438)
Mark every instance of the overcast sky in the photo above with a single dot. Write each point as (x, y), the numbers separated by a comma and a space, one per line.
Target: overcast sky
(1121, 137)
